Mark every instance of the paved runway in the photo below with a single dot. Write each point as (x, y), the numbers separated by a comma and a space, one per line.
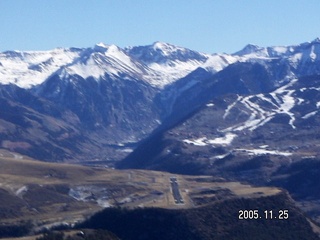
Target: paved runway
(175, 191)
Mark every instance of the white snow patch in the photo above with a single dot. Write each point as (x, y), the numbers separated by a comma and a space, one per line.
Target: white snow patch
(104, 203)
(303, 89)
(16, 156)
(127, 150)
(230, 107)
(166, 73)
(295, 59)
(102, 45)
(309, 115)
(90, 69)
(197, 142)
(218, 62)
(263, 152)
(300, 100)
(21, 191)
(313, 56)
(221, 156)
(226, 140)
(263, 146)
(126, 200)
(210, 105)
(80, 193)
(280, 49)
(318, 104)
(288, 103)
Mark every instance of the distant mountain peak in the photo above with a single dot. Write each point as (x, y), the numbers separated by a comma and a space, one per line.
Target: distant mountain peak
(100, 47)
(160, 45)
(164, 53)
(159, 63)
(317, 40)
(166, 48)
(101, 44)
(251, 46)
(103, 48)
(248, 49)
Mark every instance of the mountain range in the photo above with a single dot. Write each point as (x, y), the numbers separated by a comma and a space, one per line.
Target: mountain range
(249, 116)
(101, 101)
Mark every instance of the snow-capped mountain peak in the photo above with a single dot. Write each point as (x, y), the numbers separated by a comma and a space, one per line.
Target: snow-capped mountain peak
(104, 60)
(158, 64)
(316, 40)
(168, 62)
(100, 47)
(248, 49)
(30, 68)
(162, 53)
(105, 48)
(166, 49)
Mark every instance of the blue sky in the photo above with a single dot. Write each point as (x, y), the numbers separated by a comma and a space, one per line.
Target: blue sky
(205, 25)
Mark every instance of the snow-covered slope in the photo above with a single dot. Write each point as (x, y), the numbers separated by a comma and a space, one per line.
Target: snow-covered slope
(170, 62)
(27, 69)
(159, 64)
(302, 58)
(217, 62)
(108, 60)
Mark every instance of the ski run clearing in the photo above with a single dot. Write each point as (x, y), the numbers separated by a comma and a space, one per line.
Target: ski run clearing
(281, 101)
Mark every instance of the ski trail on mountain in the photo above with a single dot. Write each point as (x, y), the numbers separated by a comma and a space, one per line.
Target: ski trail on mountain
(282, 104)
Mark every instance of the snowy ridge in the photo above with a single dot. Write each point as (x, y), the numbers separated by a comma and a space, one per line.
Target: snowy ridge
(295, 55)
(168, 73)
(218, 62)
(158, 64)
(105, 59)
(170, 63)
(26, 69)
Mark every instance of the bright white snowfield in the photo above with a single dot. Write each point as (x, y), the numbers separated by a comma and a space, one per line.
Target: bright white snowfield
(27, 69)
(158, 64)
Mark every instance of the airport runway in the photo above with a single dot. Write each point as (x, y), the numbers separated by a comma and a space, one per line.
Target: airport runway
(175, 191)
